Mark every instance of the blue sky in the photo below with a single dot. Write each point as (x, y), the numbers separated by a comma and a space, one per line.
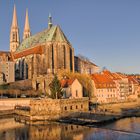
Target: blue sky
(106, 31)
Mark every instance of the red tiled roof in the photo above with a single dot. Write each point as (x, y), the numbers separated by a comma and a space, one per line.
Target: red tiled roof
(113, 76)
(35, 50)
(132, 79)
(103, 81)
(66, 82)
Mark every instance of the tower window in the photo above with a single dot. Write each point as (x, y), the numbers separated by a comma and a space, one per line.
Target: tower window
(14, 37)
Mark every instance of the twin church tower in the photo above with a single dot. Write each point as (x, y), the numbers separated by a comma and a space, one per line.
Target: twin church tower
(14, 34)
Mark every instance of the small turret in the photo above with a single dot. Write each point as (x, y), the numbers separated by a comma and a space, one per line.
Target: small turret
(50, 21)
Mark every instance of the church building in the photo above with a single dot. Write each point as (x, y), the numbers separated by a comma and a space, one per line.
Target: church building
(43, 53)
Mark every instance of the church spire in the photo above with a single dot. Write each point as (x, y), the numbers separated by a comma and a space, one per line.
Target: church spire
(14, 34)
(50, 21)
(27, 31)
(14, 22)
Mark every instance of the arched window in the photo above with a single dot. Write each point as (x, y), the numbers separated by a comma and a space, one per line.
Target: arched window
(14, 37)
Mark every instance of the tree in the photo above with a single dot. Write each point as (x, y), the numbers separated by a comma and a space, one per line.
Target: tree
(55, 88)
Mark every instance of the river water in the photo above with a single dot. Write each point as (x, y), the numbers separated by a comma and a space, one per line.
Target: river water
(124, 129)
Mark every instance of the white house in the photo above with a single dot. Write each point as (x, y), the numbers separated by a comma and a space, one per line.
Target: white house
(72, 88)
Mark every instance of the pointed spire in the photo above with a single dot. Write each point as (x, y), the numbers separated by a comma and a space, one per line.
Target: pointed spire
(27, 26)
(14, 33)
(14, 22)
(50, 21)
(26, 32)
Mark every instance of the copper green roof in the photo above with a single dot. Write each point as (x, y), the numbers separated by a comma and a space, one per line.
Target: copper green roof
(48, 35)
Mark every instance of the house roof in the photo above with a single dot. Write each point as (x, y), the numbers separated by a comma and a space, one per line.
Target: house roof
(34, 50)
(114, 76)
(53, 34)
(86, 61)
(103, 81)
(67, 82)
(132, 79)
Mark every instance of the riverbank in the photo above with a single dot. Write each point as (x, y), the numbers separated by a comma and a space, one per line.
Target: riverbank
(105, 113)
(88, 119)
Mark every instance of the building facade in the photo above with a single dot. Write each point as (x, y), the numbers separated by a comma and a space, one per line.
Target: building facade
(72, 88)
(104, 89)
(43, 53)
(7, 73)
(114, 87)
(84, 66)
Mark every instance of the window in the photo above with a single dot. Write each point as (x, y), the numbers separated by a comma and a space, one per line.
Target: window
(71, 127)
(76, 107)
(66, 128)
(14, 37)
(65, 108)
(81, 106)
(71, 107)
(76, 93)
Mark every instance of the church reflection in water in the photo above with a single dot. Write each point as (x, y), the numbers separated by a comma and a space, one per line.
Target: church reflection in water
(51, 131)
(13, 130)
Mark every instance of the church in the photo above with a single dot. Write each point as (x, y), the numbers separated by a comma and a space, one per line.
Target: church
(43, 53)
(39, 55)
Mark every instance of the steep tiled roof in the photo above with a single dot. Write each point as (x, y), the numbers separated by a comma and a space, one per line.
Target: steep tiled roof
(103, 81)
(66, 82)
(52, 34)
(85, 61)
(28, 51)
(114, 76)
(132, 79)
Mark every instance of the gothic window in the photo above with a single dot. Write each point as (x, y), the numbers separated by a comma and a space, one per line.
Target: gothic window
(52, 56)
(59, 57)
(71, 59)
(64, 57)
(22, 68)
(26, 71)
(13, 36)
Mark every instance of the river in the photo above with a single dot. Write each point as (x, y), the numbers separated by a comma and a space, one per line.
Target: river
(124, 129)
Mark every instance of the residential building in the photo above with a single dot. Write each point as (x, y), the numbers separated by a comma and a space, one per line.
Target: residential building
(104, 88)
(121, 82)
(72, 88)
(7, 70)
(133, 87)
(83, 65)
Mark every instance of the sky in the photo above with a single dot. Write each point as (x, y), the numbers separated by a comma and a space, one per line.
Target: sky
(105, 31)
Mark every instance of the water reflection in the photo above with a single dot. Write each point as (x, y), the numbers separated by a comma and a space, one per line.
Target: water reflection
(12, 130)
(127, 124)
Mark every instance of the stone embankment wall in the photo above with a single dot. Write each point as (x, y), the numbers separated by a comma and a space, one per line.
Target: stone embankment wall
(118, 107)
(9, 104)
(51, 109)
